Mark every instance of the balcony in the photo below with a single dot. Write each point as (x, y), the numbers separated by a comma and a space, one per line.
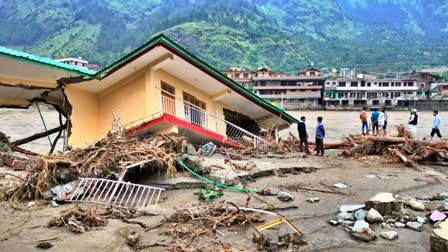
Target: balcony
(197, 122)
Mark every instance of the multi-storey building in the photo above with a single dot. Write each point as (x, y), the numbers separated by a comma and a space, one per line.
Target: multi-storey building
(374, 92)
(240, 74)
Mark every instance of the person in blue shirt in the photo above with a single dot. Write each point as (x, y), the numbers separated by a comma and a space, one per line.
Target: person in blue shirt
(436, 125)
(374, 118)
(320, 135)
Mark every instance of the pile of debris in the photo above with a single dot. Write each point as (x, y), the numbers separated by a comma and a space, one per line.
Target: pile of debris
(390, 213)
(400, 148)
(109, 158)
(80, 220)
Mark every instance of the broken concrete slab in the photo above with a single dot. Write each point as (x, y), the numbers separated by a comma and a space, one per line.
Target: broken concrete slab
(360, 225)
(385, 203)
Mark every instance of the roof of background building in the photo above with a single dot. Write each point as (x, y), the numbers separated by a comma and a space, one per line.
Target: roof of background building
(43, 61)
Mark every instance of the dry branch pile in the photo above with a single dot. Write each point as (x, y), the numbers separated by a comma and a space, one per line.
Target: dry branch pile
(108, 158)
(80, 220)
(400, 148)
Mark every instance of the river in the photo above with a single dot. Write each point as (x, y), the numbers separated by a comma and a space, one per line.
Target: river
(18, 123)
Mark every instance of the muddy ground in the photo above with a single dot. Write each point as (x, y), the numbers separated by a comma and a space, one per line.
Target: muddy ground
(22, 226)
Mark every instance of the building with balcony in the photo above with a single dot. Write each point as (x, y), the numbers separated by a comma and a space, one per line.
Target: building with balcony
(371, 92)
(157, 88)
(240, 75)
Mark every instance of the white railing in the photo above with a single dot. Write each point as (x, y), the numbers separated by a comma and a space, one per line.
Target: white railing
(198, 116)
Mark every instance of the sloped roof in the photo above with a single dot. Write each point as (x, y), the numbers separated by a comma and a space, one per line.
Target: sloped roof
(159, 40)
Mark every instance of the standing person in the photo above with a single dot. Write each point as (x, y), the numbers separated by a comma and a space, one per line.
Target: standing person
(374, 118)
(436, 125)
(386, 117)
(365, 124)
(413, 121)
(320, 135)
(381, 122)
(303, 135)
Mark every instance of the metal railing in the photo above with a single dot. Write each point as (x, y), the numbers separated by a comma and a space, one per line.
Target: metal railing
(198, 116)
(117, 193)
(141, 121)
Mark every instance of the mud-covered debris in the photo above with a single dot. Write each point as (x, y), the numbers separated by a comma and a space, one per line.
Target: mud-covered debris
(132, 238)
(44, 245)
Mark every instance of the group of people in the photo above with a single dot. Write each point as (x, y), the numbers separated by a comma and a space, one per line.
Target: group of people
(379, 120)
(303, 136)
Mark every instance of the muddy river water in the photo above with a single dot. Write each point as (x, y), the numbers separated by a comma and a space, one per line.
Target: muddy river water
(22, 123)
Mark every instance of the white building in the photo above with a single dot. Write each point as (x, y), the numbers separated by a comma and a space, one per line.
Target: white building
(79, 62)
(373, 92)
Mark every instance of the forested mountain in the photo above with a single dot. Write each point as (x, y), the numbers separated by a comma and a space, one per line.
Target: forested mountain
(281, 34)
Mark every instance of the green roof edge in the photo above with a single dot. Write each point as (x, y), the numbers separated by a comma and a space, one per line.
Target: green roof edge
(47, 62)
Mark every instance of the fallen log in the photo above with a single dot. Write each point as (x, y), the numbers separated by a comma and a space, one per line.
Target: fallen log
(397, 140)
(38, 135)
(403, 158)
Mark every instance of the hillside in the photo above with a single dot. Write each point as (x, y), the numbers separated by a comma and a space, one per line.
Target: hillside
(282, 34)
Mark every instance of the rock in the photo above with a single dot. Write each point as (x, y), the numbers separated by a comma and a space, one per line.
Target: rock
(421, 220)
(413, 225)
(44, 245)
(383, 225)
(434, 204)
(312, 200)
(350, 208)
(31, 203)
(340, 186)
(360, 214)
(445, 206)
(418, 206)
(383, 197)
(346, 216)
(360, 225)
(365, 235)
(389, 235)
(400, 225)
(374, 216)
(132, 238)
(333, 222)
(437, 216)
(284, 196)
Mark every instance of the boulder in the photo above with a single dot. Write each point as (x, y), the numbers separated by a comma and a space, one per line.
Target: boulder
(360, 214)
(389, 235)
(385, 203)
(374, 216)
(400, 225)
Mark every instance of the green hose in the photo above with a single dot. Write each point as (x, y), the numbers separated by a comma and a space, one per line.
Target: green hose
(239, 189)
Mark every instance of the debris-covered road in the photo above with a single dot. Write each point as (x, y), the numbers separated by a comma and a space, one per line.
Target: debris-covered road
(23, 226)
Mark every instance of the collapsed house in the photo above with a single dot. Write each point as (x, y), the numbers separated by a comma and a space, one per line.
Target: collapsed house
(158, 88)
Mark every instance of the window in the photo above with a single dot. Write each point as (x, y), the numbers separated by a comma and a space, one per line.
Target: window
(363, 83)
(193, 109)
(354, 84)
(341, 84)
(167, 88)
(246, 75)
(369, 84)
(237, 75)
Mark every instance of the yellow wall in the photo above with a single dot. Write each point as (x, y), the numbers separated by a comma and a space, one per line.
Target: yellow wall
(84, 116)
(14, 81)
(126, 98)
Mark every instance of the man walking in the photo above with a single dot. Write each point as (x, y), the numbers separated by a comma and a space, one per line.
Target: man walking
(320, 135)
(413, 121)
(303, 135)
(365, 124)
(436, 125)
(374, 118)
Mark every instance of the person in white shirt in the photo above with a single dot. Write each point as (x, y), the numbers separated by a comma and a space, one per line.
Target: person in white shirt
(386, 118)
(413, 121)
(381, 121)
